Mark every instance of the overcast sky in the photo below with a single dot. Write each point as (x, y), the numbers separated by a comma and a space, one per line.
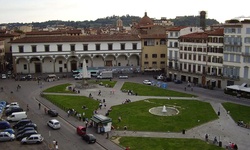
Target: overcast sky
(27, 11)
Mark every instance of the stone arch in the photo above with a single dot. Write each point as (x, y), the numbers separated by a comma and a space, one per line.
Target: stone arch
(98, 60)
(122, 60)
(88, 59)
(60, 64)
(73, 63)
(110, 60)
(48, 64)
(22, 65)
(35, 65)
(134, 60)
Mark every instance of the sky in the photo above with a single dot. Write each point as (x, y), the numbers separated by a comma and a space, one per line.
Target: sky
(27, 11)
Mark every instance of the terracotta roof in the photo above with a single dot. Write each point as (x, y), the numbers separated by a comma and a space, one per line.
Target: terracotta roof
(153, 36)
(7, 35)
(44, 32)
(217, 32)
(89, 38)
(145, 21)
(197, 35)
(175, 28)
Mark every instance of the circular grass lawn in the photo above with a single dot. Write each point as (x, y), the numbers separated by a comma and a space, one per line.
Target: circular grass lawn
(136, 115)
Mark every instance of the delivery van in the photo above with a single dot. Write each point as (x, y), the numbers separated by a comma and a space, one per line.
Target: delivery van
(16, 116)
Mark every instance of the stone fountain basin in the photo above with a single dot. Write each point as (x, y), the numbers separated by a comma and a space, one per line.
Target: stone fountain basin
(171, 111)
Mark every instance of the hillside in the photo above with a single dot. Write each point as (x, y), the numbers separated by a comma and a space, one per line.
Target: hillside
(111, 21)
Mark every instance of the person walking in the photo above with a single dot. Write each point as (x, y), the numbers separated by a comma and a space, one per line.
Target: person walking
(39, 105)
(206, 137)
(27, 107)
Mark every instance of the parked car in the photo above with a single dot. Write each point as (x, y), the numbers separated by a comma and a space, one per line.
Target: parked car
(89, 138)
(11, 110)
(54, 124)
(26, 134)
(4, 125)
(12, 104)
(33, 139)
(6, 136)
(147, 82)
(81, 130)
(4, 76)
(177, 81)
(28, 125)
(21, 123)
(24, 130)
(52, 113)
(123, 77)
(10, 131)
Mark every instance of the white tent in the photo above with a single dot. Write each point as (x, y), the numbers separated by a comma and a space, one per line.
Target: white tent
(237, 87)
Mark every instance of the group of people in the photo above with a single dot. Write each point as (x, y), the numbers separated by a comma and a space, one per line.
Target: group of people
(126, 101)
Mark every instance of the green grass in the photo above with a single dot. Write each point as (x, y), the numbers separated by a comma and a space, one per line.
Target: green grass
(142, 143)
(238, 112)
(147, 90)
(136, 115)
(59, 89)
(74, 102)
(104, 82)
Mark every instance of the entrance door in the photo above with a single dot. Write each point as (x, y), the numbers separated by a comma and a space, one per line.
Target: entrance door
(73, 65)
(38, 68)
(108, 63)
(219, 83)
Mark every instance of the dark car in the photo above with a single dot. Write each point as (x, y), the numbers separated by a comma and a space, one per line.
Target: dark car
(24, 130)
(89, 138)
(52, 112)
(4, 125)
(177, 81)
(25, 134)
(21, 123)
(12, 110)
(28, 125)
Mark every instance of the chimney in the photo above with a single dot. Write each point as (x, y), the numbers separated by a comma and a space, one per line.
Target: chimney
(203, 20)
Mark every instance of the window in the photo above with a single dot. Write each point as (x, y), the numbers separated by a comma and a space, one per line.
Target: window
(189, 56)
(247, 30)
(154, 62)
(194, 57)
(134, 46)
(110, 46)
(25, 67)
(122, 46)
(199, 68)
(162, 62)
(97, 47)
(145, 63)
(65, 66)
(149, 42)
(85, 47)
(33, 47)
(171, 34)
(46, 47)
(154, 55)
(20, 49)
(146, 55)
(72, 47)
(176, 34)
(59, 48)
(181, 56)
(170, 44)
(185, 56)
(163, 55)
(204, 58)
(199, 58)
(60, 62)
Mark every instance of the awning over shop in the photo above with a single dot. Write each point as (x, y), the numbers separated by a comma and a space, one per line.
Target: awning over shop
(101, 119)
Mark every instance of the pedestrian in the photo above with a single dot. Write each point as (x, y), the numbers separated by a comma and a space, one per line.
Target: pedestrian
(100, 105)
(105, 105)
(215, 140)
(119, 119)
(80, 117)
(103, 100)
(206, 137)
(39, 105)
(125, 129)
(68, 112)
(99, 93)
(54, 143)
(28, 107)
(90, 95)
(107, 135)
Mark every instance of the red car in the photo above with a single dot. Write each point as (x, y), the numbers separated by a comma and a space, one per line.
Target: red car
(81, 130)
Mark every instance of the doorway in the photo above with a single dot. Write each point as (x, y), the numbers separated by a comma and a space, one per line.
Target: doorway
(108, 63)
(73, 65)
(38, 68)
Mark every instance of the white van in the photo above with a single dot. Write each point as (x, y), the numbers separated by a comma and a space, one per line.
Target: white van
(16, 116)
(51, 77)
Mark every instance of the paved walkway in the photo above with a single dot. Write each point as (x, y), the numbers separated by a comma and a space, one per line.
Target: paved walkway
(224, 128)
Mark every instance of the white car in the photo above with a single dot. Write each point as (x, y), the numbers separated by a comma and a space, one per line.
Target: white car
(54, 124)
(4, 76)
(147, 82)
(6, 136)
(33, 139)
(13, 104)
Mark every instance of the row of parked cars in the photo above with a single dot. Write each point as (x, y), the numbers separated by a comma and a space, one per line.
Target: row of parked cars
(24, 130)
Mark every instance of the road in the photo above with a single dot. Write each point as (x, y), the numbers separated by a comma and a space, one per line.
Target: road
(66, 136)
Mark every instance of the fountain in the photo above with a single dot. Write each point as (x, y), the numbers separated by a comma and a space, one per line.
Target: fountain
(85, 75)
(164, 110)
